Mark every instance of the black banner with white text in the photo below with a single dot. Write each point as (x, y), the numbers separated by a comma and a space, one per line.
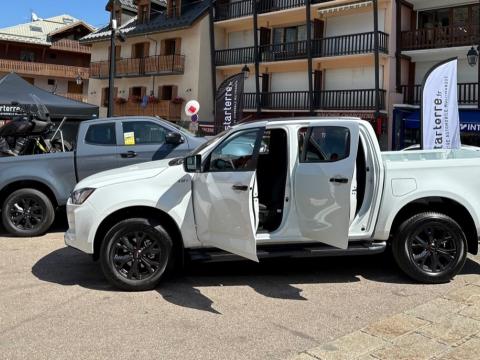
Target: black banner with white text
(229, 102)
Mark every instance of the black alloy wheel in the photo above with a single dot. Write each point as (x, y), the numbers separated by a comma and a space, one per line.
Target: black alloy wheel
(430, 248)
(136, 254)
(27, 212)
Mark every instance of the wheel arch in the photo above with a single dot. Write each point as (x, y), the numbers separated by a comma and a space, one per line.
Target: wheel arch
(444, 205)
(28, 184)
(140, 212)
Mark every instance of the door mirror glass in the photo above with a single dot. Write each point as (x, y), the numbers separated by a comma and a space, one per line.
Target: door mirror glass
(173, 138)
(193, 164)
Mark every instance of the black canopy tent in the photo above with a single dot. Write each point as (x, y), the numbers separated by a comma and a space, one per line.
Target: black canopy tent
(14, 89)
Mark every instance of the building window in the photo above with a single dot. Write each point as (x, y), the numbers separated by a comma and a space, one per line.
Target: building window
(74, 88)
(51, 82)
(170, 47)
(143, 14)
(105, 96)
(453, 16)
(27, 56)
(167, 92)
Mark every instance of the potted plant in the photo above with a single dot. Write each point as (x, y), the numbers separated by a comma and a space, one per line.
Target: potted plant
(178, 100)
(152, 99)
(135, 99)
(120, 100)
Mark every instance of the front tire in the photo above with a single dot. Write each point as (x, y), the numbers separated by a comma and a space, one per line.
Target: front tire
(430, 248)
(136, 254)
(27, 213)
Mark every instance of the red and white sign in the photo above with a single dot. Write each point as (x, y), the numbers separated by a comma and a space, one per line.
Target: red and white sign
(192, 108)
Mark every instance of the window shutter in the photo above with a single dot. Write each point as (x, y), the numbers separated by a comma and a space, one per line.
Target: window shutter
(162, 47)
(146, 49)
(160, 92)
(318, 28)
(174, 92)
(178, 46)
(104, 96)
(130, 92)
(115, 92)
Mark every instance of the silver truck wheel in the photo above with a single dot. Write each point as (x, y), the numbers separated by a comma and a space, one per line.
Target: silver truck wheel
(430, 248)
(135, 254)
(27, 212)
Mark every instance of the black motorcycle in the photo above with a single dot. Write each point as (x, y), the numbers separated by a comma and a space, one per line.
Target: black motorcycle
(31, 134)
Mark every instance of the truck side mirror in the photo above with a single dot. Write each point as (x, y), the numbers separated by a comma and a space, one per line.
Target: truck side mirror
(173, 138)
(193, 164)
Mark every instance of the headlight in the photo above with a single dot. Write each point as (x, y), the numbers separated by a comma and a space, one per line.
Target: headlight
(78, 197)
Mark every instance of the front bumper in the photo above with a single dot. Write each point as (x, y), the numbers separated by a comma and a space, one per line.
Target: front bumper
(81, 227)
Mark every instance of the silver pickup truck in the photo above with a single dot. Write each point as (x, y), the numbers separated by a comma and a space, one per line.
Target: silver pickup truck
(32, 187)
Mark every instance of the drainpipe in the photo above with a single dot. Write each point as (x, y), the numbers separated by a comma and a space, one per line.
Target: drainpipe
(309, 55)
(111, 77)
(377, 59)
(213, 69)
(257, 57)
(156, 49)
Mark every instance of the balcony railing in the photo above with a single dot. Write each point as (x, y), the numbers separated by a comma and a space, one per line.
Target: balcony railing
(71, 46)
(166, 109)
(331, 46)
(467, 94)
(360, 99)
(152, 65)
(52, 70)
(76, 97)
(440, 37)
(237, 9)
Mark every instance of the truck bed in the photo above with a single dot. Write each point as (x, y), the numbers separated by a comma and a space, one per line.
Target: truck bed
(55, 170)
(395, 156)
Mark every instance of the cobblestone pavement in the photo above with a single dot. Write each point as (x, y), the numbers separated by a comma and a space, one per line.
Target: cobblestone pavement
(446, 328)
(56, 304)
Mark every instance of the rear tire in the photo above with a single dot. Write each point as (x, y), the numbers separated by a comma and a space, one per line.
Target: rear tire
(430, 248)
(136, 254)
(27, 213)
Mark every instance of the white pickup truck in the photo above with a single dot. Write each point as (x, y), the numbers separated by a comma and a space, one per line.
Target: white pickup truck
(290, 187)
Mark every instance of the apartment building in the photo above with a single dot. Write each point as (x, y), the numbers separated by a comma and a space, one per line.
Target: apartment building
(47, 53)
(431, 31)
(342, 50)
(163, 62)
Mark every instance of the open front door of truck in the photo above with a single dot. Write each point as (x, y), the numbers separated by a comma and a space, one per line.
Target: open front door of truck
(323, 180)
(223, 195)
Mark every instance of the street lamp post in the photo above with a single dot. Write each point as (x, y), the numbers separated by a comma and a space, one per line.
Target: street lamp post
(472, 58)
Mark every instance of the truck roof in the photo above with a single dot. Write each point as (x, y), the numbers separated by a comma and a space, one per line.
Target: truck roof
(296, 121)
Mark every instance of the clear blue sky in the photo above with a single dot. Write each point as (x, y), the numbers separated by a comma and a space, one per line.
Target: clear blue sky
(14, 12)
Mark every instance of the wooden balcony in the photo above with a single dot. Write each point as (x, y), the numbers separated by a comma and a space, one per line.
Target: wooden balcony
(237, 9)
(52, 70)
(71, 46)
(359, 99)
(467, 94)
(440, 37)
(76, 97)
(343, 45)
(166, 109)
(152, 65)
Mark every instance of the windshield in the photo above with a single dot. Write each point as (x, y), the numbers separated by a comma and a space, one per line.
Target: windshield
(209, 142)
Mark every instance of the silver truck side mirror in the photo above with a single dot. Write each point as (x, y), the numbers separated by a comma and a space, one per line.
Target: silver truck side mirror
(193, 164)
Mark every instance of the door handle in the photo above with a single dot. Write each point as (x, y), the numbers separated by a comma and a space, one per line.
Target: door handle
(129, 155)
(339, 180)
(240, 187)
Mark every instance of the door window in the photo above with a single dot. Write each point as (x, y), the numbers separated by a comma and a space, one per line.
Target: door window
(101, 134)
(237, 153)
(143, 133)
(324, 144)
